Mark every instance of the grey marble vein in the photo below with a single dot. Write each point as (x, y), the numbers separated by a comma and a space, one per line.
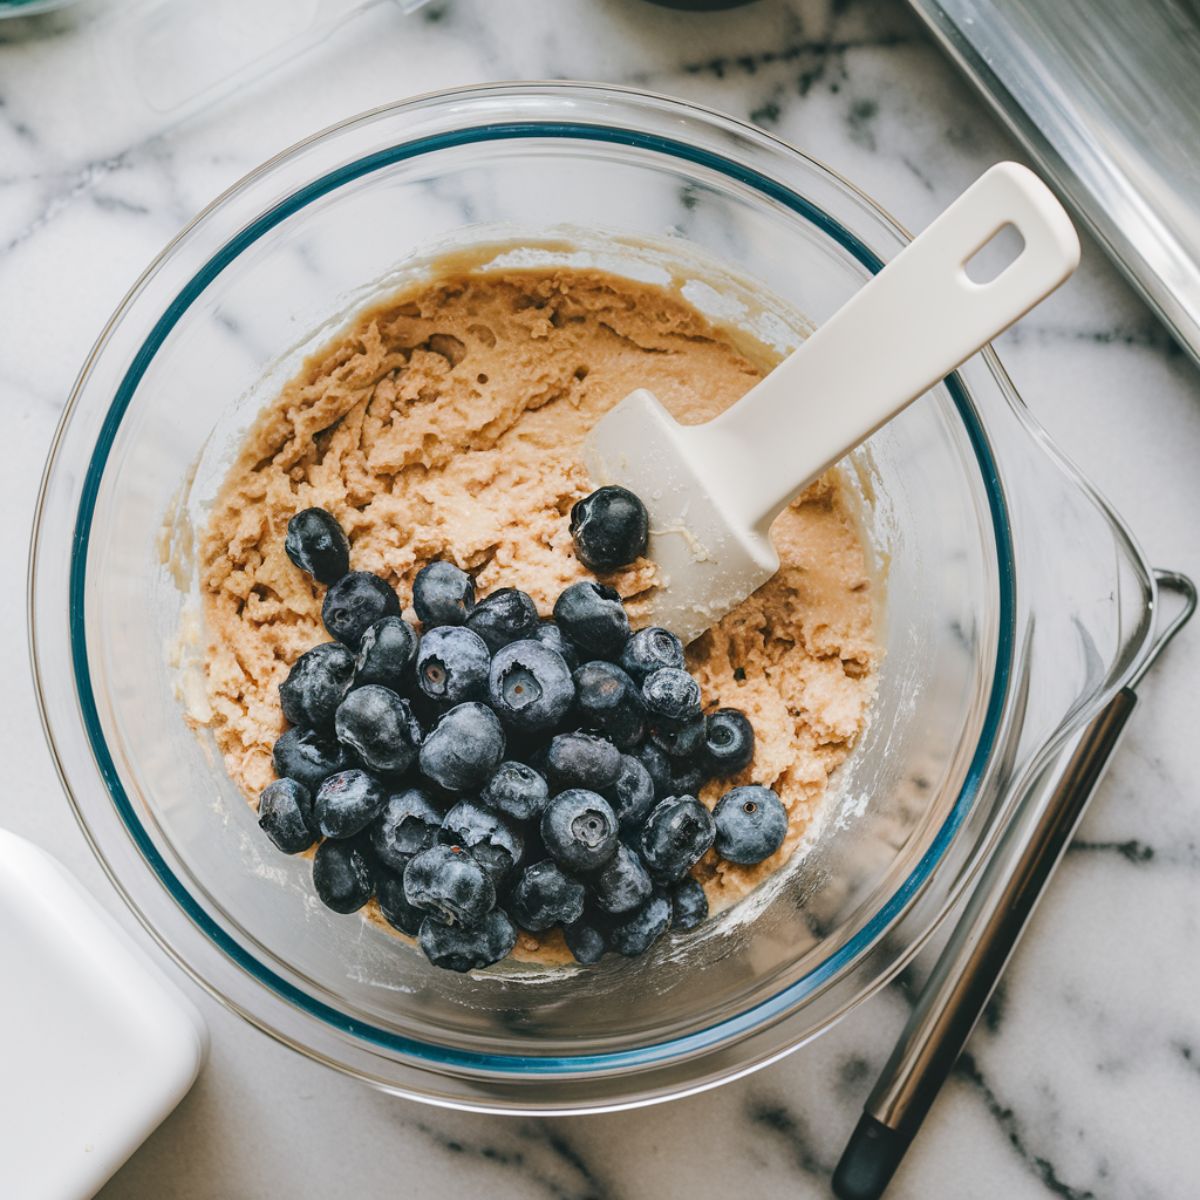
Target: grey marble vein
(1010, 1123)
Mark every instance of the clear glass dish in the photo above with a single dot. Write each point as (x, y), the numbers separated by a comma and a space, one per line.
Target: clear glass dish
(1016, 601)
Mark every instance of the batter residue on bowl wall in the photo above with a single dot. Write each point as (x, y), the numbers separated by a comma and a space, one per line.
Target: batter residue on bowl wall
(447, 423)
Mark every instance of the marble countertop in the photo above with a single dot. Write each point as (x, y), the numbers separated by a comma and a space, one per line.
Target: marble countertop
(1084, 1079)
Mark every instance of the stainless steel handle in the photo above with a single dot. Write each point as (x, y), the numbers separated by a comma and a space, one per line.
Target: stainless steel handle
(992, 923)
(981, 944)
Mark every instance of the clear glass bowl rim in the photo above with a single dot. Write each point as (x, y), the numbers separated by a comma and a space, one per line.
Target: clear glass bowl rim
(433, 1055)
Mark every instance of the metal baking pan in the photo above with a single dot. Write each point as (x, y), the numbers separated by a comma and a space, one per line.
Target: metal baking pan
(1105, 94)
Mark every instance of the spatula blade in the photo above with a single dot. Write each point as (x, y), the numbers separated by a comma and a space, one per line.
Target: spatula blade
(707, 564)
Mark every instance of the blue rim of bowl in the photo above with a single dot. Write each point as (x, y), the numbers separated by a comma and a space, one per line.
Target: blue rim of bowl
(524, 1065)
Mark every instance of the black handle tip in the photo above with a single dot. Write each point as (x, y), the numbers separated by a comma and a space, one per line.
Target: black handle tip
(869, 1161)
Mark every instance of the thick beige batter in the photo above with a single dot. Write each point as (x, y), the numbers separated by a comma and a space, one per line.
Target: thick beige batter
(447, 424)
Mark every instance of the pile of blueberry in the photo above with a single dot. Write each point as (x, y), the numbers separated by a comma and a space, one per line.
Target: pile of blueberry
(500, 769)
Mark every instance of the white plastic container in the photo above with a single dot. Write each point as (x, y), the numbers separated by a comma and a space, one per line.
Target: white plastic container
(97, 1045)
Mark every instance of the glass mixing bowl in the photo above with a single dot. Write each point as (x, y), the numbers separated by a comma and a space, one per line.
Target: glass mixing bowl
(1016, 601)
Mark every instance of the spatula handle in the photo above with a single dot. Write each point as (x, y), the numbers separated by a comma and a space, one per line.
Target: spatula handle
(912, 324)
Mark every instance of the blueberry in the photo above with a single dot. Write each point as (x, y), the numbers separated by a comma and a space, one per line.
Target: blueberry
(607, 700)
(355, 602)
(580, 830)
(508, 615)
(609, 528)
(517, 791)
(581, 760)
(728, 741)
(347, 803)
(676, 833)
(689, 904)
(468, 949)
(751, 824)
(549, 633)
(687, 777)
(633, 795)
(672, 696)
(658, 767)
(393, 903)
(635, 932)
(593, 617)
(316, 544)
(342, 876)
(285, 815)
(310, 757)
(408, 823)
(315, 685)
(380, 727)
(442, 595)
(544, 896)
(529, 686)
(685, 741)
(447, 882)
(586, 939)
(494, 843)
(464, 748)
(452, 665)
(386, 653)
(623, 883)
(650, 649)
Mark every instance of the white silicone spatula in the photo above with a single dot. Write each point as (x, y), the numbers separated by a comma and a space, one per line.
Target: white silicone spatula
(712, 490)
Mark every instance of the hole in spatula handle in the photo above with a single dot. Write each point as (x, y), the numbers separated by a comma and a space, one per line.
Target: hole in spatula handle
(995, 256)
